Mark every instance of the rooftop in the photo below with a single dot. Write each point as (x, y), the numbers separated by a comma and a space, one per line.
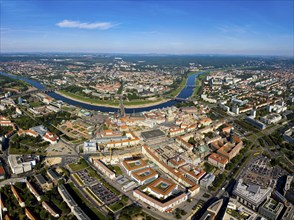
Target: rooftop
(41, 130)
(273, 206)
(152, 134)
(162, 186)
(219, 158)
(144, 174)
(252, 193)
(40, 179)
(134, 164)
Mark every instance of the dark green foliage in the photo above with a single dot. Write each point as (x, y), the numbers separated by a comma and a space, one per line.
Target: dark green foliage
(73, 89)
(208, 167)
(4, 130)
(25, 122)
(219, 180)
(7, 82)
(192, 141)
(27, 141)
(132, 211)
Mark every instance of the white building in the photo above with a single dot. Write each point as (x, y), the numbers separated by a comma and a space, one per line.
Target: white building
(89, 146)
(75, 209)
(103, 168)
(251, 195)
(207, 180)
(164, 206)
(21, 164)
(271, 118)
(33, 191)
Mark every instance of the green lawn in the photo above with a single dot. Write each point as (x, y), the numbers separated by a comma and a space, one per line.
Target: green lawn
(14, 150)
(82, 164)
(142, 102)
(115, 169)
(115, 103)
(36, 104)
(116, 206)
(198, 83)
(93, 173)
(78, 179)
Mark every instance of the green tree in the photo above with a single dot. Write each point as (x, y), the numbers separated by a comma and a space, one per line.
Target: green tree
(229, 166)
(43, 214)
(274, 162)
(192, 141)
(208, 167)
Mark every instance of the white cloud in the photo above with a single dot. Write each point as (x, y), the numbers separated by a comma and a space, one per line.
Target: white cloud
(77, 24)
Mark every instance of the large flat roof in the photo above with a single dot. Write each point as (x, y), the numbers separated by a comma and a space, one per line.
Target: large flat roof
(152, 134)
(253, 194)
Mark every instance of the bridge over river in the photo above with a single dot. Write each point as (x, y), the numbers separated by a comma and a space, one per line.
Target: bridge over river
(183, 96)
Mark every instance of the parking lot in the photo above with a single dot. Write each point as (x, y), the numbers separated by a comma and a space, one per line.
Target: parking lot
(69, 160)
(104, 194)
(85, 177)
(259, 172)
(59, 149)
(260, 166)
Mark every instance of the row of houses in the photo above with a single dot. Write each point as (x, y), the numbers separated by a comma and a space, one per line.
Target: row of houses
(5, 122)
(75, 209)
(112, 141)
(45, 205)
(176, 174)
(185, 128)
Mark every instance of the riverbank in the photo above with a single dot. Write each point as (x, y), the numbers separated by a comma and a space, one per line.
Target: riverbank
(199, 83)
(134, 104)
(113, 106)
(178, 90)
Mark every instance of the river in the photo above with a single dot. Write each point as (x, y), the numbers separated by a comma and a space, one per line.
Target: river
(185, 93)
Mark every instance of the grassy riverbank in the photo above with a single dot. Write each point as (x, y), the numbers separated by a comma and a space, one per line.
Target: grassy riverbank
(111, 103)
(129, 104)
(199, 83)
(176, 92)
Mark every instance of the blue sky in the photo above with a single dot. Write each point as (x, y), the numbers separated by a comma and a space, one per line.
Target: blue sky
(174, 27)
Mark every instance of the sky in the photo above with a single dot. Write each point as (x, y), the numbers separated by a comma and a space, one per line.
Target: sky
(259, 27)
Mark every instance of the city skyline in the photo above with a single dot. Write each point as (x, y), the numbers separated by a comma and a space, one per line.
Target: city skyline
(164, 27)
